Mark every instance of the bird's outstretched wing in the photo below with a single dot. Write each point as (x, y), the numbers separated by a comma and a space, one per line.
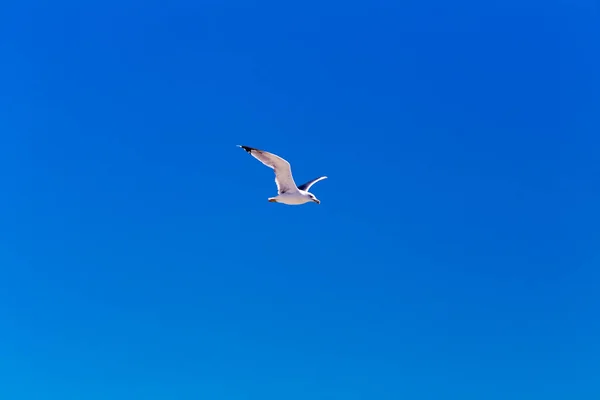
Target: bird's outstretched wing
(283, 171)
(308, 184)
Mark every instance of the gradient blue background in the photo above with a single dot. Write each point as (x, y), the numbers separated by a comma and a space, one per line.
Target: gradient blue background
(455, 253)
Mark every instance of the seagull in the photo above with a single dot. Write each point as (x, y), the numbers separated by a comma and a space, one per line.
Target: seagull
(288, 192)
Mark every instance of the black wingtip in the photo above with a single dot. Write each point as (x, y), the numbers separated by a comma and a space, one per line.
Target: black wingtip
(248, 149)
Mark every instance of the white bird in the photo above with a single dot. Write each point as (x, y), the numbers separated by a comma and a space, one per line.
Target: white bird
(288, 192)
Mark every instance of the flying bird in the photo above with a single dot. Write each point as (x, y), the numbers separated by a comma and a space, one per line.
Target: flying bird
(287, 191)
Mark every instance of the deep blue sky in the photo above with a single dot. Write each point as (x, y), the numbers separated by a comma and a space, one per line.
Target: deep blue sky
(454, 254)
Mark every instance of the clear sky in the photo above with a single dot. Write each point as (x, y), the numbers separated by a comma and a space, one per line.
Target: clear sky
(454, 254)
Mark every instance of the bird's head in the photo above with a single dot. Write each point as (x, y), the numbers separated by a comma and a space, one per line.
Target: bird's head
(313, 198)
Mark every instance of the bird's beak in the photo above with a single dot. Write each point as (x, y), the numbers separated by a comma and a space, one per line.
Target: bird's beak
(317, 201)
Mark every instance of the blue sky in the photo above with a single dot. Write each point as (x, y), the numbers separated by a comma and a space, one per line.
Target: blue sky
(140, 259)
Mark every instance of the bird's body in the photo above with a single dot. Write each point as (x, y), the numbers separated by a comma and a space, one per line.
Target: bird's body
(288, 192)
(293, 198)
